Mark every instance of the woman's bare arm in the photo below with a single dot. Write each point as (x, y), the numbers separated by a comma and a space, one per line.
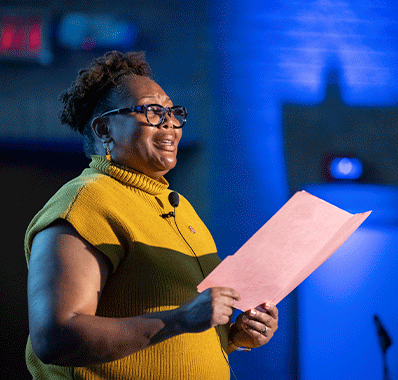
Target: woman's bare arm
(66, 277)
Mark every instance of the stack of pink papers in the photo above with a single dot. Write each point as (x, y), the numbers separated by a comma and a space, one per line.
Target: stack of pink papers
(302, 235)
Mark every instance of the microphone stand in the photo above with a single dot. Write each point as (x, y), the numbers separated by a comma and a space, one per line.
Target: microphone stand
(385, 343)
(386, 375)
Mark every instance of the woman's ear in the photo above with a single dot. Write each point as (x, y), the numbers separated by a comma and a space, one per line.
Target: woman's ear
(100, 128)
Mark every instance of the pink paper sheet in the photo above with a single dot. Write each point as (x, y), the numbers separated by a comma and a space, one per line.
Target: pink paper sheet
(302, 235)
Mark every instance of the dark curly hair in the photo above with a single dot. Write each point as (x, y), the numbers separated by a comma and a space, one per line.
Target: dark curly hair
(92, 91)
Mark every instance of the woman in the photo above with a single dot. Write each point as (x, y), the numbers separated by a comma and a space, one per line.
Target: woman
(112, 271)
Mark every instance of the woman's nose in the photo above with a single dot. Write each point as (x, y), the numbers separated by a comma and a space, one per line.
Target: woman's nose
(168, 121)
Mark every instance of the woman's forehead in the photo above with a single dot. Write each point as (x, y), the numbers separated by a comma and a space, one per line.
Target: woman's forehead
(140, 87)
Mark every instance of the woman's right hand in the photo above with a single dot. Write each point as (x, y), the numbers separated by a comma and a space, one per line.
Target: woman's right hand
(212, 307)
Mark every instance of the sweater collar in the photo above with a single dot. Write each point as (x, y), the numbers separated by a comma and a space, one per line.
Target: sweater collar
(128, 176)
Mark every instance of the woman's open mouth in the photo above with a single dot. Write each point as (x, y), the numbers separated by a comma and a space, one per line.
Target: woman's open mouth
(165, 144)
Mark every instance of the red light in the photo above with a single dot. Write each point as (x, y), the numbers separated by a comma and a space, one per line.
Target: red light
(24, 38)
(35, 38)
(7, 37)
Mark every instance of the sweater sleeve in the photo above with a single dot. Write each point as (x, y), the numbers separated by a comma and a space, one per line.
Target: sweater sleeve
(84, 206)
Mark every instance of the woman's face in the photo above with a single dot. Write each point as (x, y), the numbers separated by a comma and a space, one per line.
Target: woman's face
(137, 144)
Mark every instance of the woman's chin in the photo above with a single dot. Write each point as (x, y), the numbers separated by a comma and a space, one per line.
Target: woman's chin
(168, 163)
(160, 169)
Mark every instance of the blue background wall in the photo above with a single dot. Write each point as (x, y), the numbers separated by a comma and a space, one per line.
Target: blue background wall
(280, 51)
(338, 302)
(233, 64)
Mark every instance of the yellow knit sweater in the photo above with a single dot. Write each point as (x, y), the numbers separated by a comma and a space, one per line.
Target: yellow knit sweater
(119, 212)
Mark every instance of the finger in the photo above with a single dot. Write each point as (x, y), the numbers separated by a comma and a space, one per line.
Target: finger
(258, 337)
(219, 320)
(259, 330)
(260, 327)
(223, 301)
(221, 315)
(223, 309)
(262, 317)
(229, 292)
(269, 308)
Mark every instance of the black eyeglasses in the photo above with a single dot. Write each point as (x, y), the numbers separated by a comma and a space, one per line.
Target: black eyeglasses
(155, 114)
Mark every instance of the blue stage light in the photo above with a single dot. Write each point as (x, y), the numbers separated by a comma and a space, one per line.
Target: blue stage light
(346, 168)
(72, 30)
(95, 31)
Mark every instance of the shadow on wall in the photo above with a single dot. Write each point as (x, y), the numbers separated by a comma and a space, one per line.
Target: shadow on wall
(315, 132)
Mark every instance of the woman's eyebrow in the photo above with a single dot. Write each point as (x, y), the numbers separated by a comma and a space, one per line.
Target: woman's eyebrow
(153, 96)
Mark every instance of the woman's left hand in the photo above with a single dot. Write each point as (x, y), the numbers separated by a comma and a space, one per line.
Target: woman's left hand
(255, 327)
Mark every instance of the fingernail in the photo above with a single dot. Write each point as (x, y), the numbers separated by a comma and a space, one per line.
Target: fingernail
(244, 318)
(252, 312)
(267, 305)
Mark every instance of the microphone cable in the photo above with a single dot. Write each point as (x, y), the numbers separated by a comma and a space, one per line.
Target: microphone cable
(174, 201)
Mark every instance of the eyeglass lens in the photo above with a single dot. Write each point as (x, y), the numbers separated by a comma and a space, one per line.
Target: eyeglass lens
(155, 114)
